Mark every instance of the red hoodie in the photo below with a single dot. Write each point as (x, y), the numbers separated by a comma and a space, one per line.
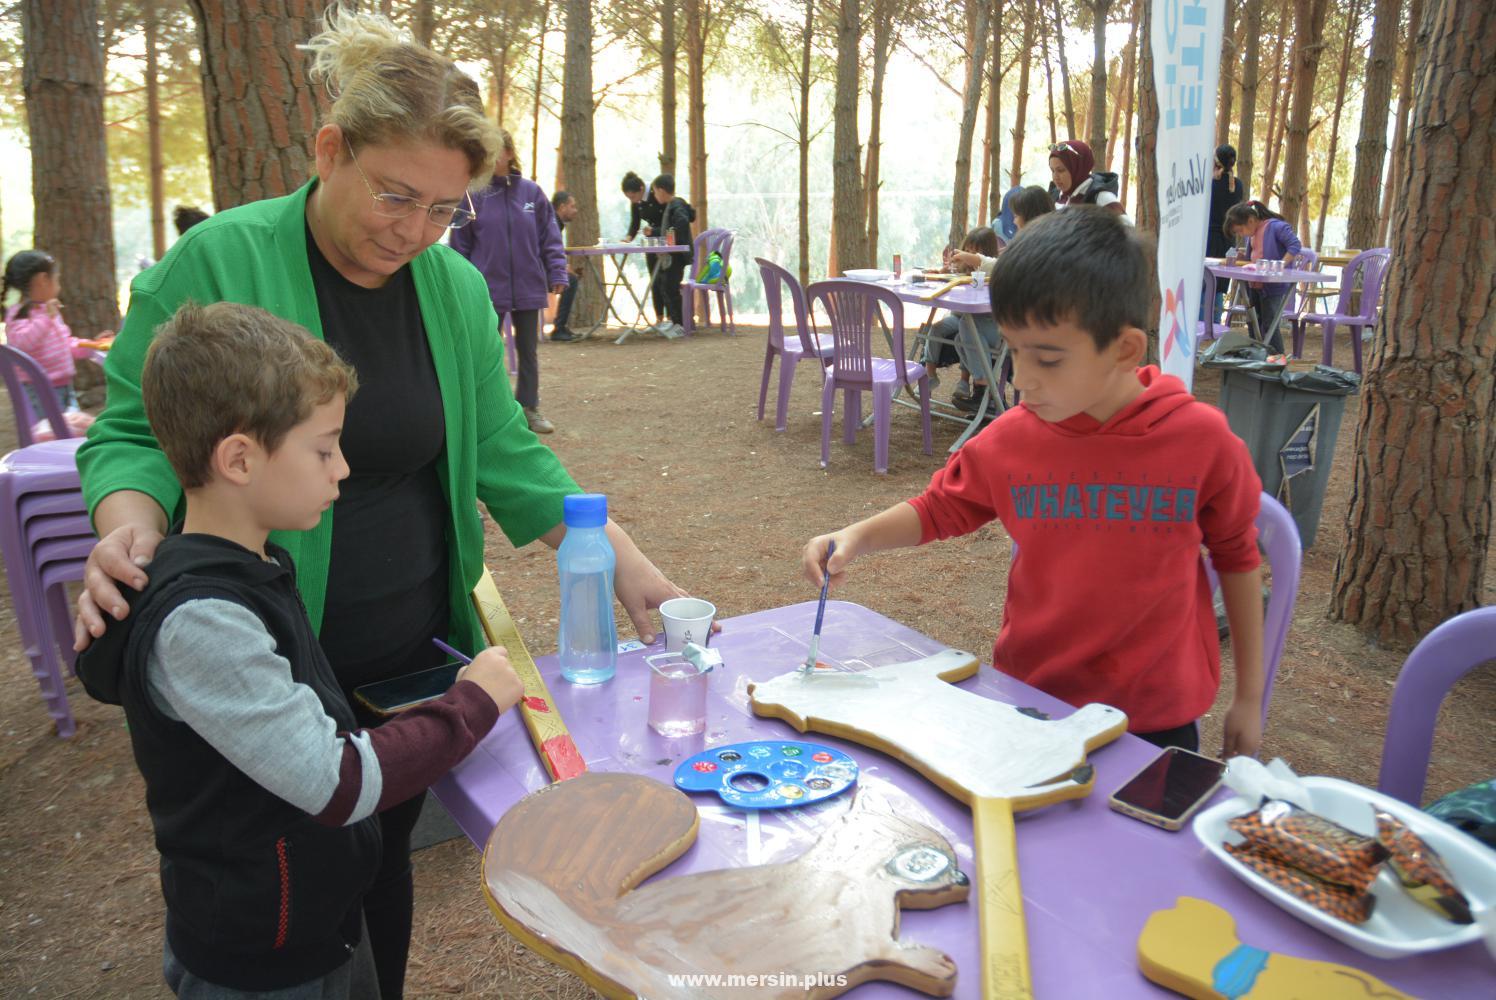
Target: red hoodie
(1108, 599)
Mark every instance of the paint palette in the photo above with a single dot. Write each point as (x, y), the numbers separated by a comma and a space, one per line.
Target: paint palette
(768, 774)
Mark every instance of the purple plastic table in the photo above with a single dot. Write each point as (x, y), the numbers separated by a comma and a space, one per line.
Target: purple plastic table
(1240, 276)
(619, 252)
(1090, 876)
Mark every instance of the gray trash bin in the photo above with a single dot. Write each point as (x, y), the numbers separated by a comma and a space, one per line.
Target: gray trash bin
(1290, 422)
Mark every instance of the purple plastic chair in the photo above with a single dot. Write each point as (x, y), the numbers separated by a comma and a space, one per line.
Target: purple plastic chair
(1279, 538)
(1444, 656)
(1370, 266)
(720, 240)
(12, 363)
(853, 308)
(45, 537)
(791, 350)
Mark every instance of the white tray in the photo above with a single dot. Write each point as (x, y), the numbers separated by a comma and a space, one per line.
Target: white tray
(867, 274)
(1399, 925)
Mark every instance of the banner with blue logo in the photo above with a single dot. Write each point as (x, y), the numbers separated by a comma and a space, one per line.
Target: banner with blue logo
(1186, 39)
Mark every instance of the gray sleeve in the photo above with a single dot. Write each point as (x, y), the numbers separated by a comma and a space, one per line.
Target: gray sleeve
(214, 666)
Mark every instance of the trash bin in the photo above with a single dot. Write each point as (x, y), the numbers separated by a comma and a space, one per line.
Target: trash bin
(1290, 422)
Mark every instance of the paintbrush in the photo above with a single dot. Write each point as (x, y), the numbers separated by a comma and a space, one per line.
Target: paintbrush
(815, 637)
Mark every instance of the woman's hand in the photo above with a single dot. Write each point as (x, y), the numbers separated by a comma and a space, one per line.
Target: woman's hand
(965, 259)
(639, 585)
(117, 558)
(559, 289)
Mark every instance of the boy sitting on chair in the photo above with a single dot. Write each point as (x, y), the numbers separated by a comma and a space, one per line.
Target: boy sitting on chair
(1109, 478)
(261, 787)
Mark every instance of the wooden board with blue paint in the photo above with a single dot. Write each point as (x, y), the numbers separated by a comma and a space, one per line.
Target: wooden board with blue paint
(768, 774)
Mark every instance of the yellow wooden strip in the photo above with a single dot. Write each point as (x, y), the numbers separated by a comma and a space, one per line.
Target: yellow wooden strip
(1004, 937)
(547, 730)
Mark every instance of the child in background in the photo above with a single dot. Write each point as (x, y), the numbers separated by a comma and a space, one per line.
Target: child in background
(35, 327)
(261, 787)
(1269, 237)
(675, 226)
(1109, 477)
(1030, 203)
(978, 253)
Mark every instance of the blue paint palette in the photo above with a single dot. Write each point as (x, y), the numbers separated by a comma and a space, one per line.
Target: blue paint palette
(768, 774)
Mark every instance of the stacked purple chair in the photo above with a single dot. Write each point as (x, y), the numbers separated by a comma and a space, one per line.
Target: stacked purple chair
(720, 240)
(854, 310)
(1367, 268)
(45, 538)
(791, 350)
(13, 364)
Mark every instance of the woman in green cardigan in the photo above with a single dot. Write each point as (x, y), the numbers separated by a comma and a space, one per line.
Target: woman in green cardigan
(434, 429)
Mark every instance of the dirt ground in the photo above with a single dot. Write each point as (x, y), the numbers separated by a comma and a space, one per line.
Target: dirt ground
(723, 504)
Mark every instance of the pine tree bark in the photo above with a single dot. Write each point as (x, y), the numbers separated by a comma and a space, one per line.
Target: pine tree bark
(153, 131)
(545, 26)
(848, 208)
(1025, 59)
(1309, 29)
(1131, 83)
(1281, 87)
(1229, 53)
(1059, 44)
(1419, 522)
(578, 156)
(804, 129)
(1048, 73)
(62, 75)
(425, 22)
(1147, 212)
(1371, 142)
(261, 108)
(872, 181)
(994, 115)
(1246, 132)
(971, 99)
(696, 107)
(1345, 65)
(1099, 139)
(1412, 46)
(667, 87)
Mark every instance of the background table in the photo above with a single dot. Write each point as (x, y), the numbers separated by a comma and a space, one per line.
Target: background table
(1240, 276)
(619, 252)
(1091, 877)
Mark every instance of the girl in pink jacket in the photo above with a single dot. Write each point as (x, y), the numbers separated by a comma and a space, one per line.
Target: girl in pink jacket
(35, 325)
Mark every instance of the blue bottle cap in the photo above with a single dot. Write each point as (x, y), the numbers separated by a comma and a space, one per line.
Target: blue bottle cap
(585, 510)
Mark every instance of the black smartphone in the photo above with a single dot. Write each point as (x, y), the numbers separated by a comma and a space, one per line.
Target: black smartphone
(396, 694)
(1167, 792)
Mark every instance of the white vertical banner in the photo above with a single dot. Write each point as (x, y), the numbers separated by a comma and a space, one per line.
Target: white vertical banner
(1186, 39)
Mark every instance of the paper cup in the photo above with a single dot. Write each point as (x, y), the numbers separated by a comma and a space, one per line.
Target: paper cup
(687, 619)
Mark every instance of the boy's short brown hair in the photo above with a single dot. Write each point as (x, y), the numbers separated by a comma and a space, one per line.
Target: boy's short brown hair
(227, 368)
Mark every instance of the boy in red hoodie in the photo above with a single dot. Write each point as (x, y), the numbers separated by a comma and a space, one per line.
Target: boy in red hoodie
(1109, 478)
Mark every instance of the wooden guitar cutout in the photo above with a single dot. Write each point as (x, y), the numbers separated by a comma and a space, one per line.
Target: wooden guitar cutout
(984, 752)
(561, 867)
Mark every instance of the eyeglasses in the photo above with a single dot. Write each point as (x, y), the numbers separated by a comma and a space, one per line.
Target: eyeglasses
(399, 206)
(1064, 147)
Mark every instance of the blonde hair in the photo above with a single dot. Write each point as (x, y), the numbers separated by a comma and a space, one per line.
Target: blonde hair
(227, 368)
(387, 88)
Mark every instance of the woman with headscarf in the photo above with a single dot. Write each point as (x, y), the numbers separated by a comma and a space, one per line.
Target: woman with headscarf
(1070, 165)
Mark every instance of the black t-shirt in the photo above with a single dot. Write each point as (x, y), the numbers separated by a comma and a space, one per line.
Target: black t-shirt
(1221, 199)
(387, 588)
(646, 212)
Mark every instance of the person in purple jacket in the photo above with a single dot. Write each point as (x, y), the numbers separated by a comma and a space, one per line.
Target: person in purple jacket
(1270, 237)
(516, 243)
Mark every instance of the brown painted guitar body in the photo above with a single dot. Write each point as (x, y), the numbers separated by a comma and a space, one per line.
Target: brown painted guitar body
(561, 868)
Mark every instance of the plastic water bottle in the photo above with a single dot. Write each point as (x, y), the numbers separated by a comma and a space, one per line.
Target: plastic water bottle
(588, 639)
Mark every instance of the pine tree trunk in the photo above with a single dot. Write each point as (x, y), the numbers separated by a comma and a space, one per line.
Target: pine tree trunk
(1309, 26)
(1246, 132)
(1025, 59)
(994, 115)
(1130, 81)
(805, 46)
(667, 87)
(261, 108)
(1059, 44)
(498, 64)
(1119, 91)
(153, 132)
(1048, 73)
(1229, 53)
(971, 99)
(1275, 121)
(1345, 65)
(62, 76)
(882, 44)
(545, 25)
(848, 208)
(1147, 213)
(425, 22)
(1419, 523)
(1412, 46)
(1371, 142)
(696, 107)
(578, 158)
(1100, 139)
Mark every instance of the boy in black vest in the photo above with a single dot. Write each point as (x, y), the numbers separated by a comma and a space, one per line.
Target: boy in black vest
(261, 787)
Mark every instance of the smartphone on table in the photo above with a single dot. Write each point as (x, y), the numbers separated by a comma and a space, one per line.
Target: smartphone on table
(1167, 792)
(395, 694)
